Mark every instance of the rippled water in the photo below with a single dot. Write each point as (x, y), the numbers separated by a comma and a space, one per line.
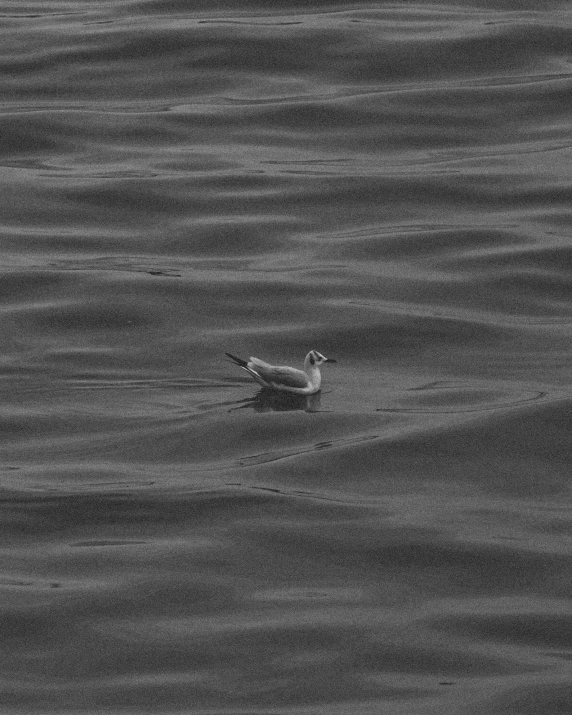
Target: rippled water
(388, 183)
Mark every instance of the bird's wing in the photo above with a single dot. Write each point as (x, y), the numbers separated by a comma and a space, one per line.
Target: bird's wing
(258, 363)
(287, 376)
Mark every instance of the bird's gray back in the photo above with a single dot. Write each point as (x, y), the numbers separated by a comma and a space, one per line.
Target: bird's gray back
(288, 376)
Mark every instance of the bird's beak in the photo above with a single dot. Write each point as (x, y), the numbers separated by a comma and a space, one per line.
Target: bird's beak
(331, 360)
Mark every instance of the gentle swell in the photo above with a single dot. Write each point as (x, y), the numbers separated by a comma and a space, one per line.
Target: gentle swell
(388, 183)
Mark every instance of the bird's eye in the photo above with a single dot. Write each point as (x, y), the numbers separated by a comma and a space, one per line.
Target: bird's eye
(312, 360)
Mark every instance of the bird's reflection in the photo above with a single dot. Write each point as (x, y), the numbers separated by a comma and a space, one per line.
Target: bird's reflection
(272, 401)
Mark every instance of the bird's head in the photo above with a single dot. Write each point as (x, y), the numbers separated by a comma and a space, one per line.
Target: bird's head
(315, 359)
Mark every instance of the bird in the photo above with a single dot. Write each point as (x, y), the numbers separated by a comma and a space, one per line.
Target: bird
(283, 378)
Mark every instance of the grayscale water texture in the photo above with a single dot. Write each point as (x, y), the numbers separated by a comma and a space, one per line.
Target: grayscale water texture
(389, 183)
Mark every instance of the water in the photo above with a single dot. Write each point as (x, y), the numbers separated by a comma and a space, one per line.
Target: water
(388, 183)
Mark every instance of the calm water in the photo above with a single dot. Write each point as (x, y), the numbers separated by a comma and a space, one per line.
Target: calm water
(389, 183)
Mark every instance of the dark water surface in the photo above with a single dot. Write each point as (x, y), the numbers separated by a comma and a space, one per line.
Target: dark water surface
(389, 183)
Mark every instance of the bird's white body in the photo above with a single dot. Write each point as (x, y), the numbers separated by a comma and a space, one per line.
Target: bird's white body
(286, 379)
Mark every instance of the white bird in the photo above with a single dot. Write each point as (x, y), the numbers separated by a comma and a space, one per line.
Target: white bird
(283, 378)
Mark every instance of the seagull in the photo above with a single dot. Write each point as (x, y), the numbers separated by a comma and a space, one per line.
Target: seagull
(283, 378)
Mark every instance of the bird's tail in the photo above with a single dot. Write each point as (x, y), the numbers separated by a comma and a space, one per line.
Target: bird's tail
(237, 360)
